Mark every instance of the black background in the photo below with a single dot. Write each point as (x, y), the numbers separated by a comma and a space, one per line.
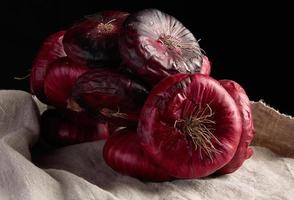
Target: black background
(247, 42)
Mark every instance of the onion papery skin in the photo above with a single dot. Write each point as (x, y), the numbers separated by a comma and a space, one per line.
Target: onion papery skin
(51, 49)
(94, 40)
(65, 127)
(206, 66)
(123, 153)
(107, 92)
(243, 151)
(155, 45)
(59, 80)
(175, 99)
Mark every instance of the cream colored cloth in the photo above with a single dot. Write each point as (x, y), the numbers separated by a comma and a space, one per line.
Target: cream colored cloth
(78, 172)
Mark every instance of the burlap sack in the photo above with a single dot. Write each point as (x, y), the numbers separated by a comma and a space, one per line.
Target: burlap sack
(79, 172)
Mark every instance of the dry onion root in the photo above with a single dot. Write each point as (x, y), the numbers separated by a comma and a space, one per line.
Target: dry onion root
(199, 126)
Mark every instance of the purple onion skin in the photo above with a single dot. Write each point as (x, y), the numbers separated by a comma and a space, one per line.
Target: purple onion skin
(94, 40)
(243, 152)
(123, 153)
(106, 89)
(65, 127)
(59, 80)
(51, 50)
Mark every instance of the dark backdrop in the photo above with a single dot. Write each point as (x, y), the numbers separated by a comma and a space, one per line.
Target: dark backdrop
(247, 42)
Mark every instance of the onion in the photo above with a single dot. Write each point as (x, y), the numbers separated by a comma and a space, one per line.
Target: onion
(243, 151)
(65, 127)
(109, 93)
(59, 80)
(123, 153)
(155, 45)
(190, 125)
(51, 49)
(94, 40)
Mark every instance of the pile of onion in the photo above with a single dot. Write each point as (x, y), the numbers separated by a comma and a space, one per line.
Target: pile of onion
(141, 82)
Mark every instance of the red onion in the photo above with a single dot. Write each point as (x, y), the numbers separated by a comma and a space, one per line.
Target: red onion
(155, 45)
(65, 127)
(243, 151)
(51, 49)
(123, 153)
(190, 125)
(110, 93)
(94, 40)
(59, 80)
